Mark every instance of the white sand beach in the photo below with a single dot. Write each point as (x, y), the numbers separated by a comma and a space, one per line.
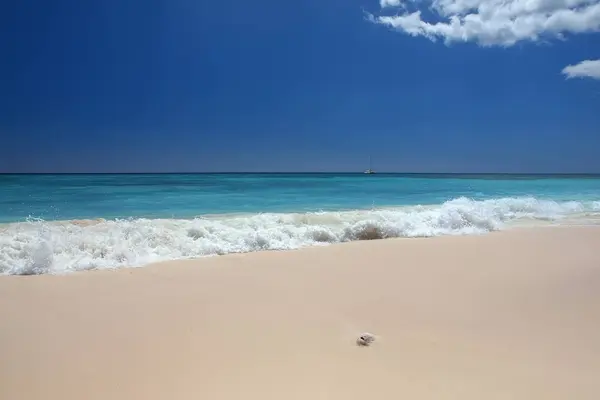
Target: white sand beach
(508, 315)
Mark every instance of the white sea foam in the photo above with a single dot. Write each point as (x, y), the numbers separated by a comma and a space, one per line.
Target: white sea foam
(40, 247)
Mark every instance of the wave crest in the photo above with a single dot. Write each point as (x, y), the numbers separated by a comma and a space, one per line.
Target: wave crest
(40, 247)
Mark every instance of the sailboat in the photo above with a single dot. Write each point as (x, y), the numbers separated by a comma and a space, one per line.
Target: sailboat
(370, 170)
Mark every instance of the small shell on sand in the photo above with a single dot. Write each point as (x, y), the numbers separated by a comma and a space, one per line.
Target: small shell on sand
(365, 339)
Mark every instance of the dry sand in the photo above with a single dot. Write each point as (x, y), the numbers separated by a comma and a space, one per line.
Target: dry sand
(511, 315)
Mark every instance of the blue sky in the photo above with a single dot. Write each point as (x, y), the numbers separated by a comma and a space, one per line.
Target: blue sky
(316, 85)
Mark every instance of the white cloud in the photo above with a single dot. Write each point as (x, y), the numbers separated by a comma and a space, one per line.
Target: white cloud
(389, 3)
(492, 22)
(585, 69)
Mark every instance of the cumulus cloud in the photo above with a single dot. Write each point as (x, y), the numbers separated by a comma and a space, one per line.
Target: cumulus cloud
(491, 22)
(585, 69)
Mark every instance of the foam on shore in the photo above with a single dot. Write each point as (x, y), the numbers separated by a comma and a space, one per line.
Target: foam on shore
(44, 247)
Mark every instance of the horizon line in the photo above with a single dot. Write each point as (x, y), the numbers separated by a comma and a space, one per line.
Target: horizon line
(298, 173)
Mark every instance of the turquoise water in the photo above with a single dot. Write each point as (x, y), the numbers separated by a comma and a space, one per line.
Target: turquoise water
(64, 197)
(63, 223)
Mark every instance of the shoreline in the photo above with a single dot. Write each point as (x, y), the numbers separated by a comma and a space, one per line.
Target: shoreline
(59, 247)
(512, 314)
(182, 262)
(511, 226)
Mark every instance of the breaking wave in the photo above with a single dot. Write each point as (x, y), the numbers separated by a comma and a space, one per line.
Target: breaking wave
(41, 247)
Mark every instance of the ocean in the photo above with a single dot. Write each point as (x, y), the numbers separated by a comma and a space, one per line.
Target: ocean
(54, 224)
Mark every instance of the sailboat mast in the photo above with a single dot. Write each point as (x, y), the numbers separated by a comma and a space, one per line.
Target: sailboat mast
(370, 170)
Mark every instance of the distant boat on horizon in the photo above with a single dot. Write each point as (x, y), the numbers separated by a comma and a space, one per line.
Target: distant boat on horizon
(370, 169)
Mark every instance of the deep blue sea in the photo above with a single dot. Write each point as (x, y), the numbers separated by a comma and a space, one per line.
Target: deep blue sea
(62, 223)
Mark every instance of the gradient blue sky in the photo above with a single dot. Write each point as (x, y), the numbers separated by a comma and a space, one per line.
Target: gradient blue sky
(313, 85)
